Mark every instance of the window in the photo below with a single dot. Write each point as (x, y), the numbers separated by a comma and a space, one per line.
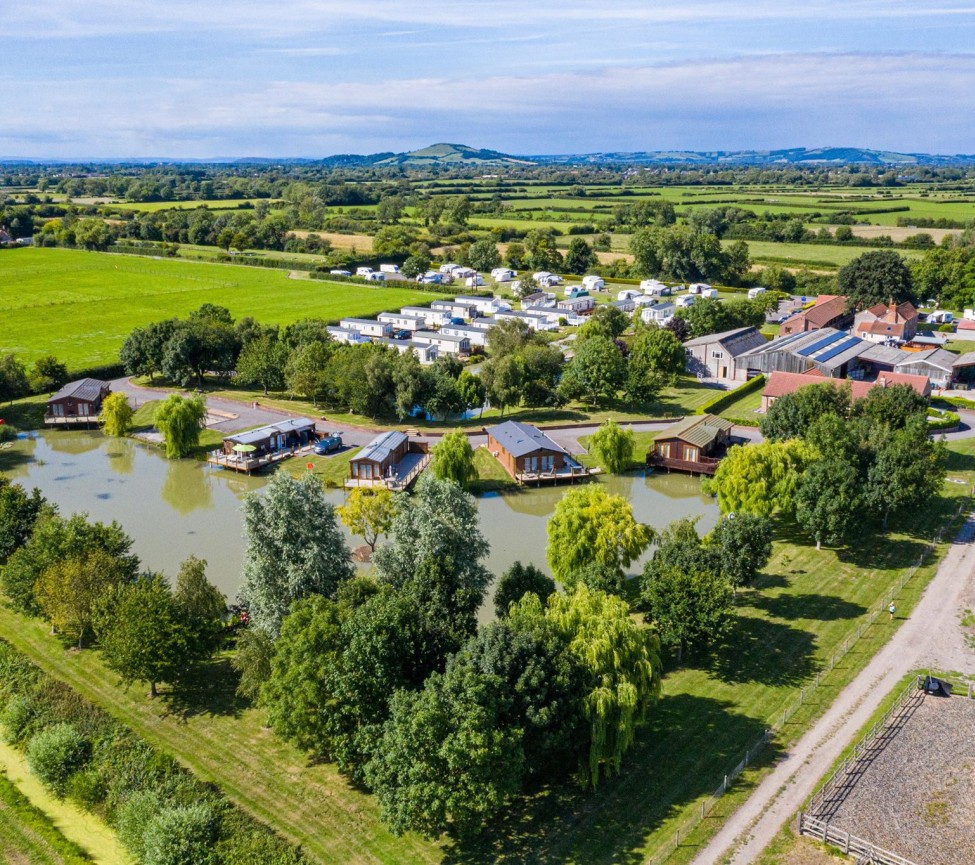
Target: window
(716, 355)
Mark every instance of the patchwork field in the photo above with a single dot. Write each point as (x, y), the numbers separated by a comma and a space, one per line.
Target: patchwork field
(80, 306)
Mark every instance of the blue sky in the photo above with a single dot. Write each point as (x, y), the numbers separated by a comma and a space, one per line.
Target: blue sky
(192, 79)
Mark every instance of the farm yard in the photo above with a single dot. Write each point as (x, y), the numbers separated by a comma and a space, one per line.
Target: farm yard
(81, 306)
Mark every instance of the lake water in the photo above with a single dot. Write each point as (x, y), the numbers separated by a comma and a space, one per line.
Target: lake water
(176, 508)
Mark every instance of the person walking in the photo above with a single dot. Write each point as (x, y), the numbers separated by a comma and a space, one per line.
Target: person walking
(892, 609)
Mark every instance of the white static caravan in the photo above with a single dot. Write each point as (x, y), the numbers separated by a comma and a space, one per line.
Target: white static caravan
(535, 321)
(476, 335)
(594, 283)
(445, 343)
(367, 326)
(455, 309)
(431, 317)
(347, 337)
(577, 304)
(654, 288)
(685, 300)
(627, 294)
(659, 313)
(503, 274)
(402, 320)
(755, 292)
(710, 293)
(484, 305)
(698, 288)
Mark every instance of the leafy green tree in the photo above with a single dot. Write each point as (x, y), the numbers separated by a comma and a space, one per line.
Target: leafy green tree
(580, 256)
(368, 512)
(203, 606)
(143, 350)
(645, 247)
(760, 478)
(541, 367)
(659, 351)
(612, 446)
(517, 581)
(508, 337)
(13, 379)
(894, 406)
(791, 415)
(878, 276)
(679, 547)
(55, 753)
(306, 371)
(453, 459)
(690, 609)
(414, 265)
(304, 332)
(471, 390)
(180, 835)
(252, 661)
(55, 539)
(116, 415)
(614, 320)
(142, 632)
(619, 664)
(180, 419)
(18, 514)
(744, 542)
(590, 525)
(828, 498)
(503, 379)
(596, 373)
(739, 262)
(262, 362)
(706, 315)
(47, 374)
(410, 385)
(394, 241)
(293, 549)
(483, 255)
(93, 234)
(69, 590)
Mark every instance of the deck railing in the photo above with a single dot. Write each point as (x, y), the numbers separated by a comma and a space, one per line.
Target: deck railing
(702, 465)
(849, 844)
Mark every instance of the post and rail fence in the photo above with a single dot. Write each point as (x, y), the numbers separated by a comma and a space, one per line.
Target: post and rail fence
(779, 720)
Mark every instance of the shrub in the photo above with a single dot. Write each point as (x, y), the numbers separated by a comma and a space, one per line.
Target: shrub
(182, 835)
(8, 433)
(15, 718)
(722, 401)
(55, 753)
(88, 788)
(133, 818)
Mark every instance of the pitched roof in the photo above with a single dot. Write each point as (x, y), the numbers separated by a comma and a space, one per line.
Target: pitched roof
(967, 359)
(697, 430)
(257, 435)
(735, 342)
(828, 308)
(85, 389)
(519, 439)
(782, 383)
(379, 449)
(937, 357)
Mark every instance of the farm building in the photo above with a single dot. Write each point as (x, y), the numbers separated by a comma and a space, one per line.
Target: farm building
(833, 352)
(713, 356)
(782, 383)
(939, 365)
(367, 326)
(885, 322)
(444, 343)
(527, 454)
(695, 445)
(77, 402)
(828, 311)
(390, 460)
(284, 435)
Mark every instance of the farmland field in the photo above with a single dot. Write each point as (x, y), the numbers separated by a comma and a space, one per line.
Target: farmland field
(806, 253)
(80, 306)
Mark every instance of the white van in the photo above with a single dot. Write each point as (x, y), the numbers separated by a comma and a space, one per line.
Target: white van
(389, 268)
(363, 271)
(374, 276)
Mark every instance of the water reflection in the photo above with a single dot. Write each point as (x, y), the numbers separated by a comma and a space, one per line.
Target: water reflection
(176, 508)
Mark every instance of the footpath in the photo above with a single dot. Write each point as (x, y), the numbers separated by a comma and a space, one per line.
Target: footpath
(932, 638)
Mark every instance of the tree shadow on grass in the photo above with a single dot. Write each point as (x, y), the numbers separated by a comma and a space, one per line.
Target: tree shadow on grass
(207, 689)
(825, 608)
(759, 650)
(681, 754)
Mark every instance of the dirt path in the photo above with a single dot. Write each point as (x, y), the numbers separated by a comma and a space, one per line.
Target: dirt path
(931, 638)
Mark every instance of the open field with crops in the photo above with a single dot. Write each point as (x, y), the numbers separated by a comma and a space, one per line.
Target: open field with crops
(80, 306)
(788, 625)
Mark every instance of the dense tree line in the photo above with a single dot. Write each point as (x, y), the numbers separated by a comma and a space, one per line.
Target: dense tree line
(837, 466)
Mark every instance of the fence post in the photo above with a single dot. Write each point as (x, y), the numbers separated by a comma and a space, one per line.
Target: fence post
(702, 810)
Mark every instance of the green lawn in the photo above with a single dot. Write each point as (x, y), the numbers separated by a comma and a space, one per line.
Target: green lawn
(80, 306)
(811, 254)
(491, 475)
(788, 625)
(333, 469)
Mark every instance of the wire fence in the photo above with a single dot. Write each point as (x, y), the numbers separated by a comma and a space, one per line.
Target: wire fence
(780, 719)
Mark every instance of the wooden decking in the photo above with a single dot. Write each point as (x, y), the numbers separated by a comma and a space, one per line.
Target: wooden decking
(702, 466)
(72, 420)
(569, 474)
(249, 462)
(406, 471)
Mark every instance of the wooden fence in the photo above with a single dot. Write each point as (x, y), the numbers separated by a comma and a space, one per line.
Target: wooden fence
(777, 722)
(850, 844)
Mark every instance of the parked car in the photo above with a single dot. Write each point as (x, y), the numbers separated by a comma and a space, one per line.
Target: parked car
(327, 444)
(340, 273)
(402, 334)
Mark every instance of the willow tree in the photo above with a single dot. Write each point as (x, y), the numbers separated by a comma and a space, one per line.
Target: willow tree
(116, 415)
(620, 664)
(761, 478)
(180, 419)
(453, 459)
(590, 526)
(612, 446)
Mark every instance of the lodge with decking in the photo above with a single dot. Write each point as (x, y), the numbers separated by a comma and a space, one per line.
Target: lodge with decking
(253, 449)
(390, 460)
(696, 445)
(78, 402)
(528, 455)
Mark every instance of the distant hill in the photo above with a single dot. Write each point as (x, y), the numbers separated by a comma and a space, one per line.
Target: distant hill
(772, 158)
(452, 155)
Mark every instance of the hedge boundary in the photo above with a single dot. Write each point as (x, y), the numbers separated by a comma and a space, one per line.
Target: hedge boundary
(722, 401)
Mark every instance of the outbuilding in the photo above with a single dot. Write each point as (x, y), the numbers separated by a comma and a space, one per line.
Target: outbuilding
(77, 402)
(528, 454)
(694, 445)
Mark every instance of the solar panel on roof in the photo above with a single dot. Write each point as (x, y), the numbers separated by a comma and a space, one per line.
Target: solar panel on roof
(818, 344)
(848, 343)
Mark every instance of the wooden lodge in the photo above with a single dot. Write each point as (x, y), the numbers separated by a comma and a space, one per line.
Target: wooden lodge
(694, 445)
(390, 460)
(528, 455)
(253, 449)
(78, 402)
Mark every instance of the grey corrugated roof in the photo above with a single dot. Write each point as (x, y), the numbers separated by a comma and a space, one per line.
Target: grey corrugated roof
(879, 353)
(967, 359)
(736, 341)
(249, 437)
(936, 357)
(85, 389)
(379, 449)
(519, 439)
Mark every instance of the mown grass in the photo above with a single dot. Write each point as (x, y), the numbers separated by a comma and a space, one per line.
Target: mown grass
(28, 835)
(80, 306)
(331, 469)
(787, 626)
(491, 475)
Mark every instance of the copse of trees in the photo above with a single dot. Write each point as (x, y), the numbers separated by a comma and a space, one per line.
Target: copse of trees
(687, 253)
(879, 276)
